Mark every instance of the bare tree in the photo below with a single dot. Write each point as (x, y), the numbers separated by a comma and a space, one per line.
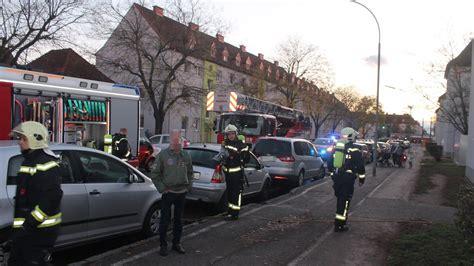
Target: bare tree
(301, 60)
(26, 25)
(154, 57)
(319, 104)
(451, 71)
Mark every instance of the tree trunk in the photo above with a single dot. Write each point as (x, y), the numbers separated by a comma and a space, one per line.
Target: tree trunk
(159, 120)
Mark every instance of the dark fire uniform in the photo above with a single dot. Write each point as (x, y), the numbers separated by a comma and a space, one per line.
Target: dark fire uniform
(233, 168)
(344, 179)
(37, 209)
(120, 146)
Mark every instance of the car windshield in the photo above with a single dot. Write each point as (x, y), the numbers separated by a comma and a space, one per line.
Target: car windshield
(202, 157)
(272, 147)
(323, 141)
(246, 124)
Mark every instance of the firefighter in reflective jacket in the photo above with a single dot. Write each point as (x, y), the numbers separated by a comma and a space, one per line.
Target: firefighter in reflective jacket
(37, 213)
(345, 166)
(233, 167)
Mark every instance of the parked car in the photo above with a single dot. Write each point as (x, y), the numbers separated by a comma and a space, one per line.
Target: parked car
(163, 141)
(325, 147)
(209, 182)
(103, 196)
(147, 153)
(289, 159)
(365, 152)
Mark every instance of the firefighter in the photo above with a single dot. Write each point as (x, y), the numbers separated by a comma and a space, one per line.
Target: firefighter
(37, 213)
(120, 146)
(233, 167)
(345, 166)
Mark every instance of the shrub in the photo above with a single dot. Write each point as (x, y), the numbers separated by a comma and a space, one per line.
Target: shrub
(435, 150)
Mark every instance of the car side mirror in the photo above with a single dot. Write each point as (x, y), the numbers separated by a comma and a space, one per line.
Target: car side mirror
(132, 178)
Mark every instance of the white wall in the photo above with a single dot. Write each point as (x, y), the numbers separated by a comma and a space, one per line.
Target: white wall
(470, 137)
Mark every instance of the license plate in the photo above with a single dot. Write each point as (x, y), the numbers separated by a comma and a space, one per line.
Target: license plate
(267, 158)
(196, 176)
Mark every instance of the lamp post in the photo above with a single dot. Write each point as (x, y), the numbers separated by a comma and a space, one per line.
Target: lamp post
(374, 171)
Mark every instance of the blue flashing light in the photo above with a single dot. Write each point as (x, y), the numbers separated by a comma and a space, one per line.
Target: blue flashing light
(323, 151)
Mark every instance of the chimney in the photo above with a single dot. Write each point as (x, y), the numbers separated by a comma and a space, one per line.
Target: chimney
(158, 11)
(219, 37)
(275, 63)
(193, 26)
(243, 48)
(260, 56)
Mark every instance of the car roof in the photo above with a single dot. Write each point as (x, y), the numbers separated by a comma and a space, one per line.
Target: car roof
(283, 138)
(207, 146)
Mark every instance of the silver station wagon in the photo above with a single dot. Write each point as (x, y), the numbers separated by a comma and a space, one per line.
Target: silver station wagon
(103, 196)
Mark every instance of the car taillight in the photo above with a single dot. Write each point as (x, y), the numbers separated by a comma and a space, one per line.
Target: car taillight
(286, 158)
(330, 149)
(217, 176)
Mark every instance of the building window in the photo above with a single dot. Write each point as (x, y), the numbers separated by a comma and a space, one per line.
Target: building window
(210, 68)
(200, 71)
(213, 50)
(231, 78)
(219, 75)
(225, 55)
(196, 124)
(184, 122)
(142, 120)
(209, 84)
(243, 81)
(187, 67)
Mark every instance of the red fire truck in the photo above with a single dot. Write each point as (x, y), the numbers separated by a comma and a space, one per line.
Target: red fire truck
(74, 110)
(255, 118)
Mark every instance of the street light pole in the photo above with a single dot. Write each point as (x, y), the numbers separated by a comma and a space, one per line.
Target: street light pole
(374, 171)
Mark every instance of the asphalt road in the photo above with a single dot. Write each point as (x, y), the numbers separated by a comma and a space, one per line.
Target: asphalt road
(194, 212)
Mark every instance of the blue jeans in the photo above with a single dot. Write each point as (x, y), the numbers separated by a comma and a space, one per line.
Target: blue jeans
(168, 199)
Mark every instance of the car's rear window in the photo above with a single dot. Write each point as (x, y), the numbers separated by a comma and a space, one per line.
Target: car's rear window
(272, 147)
(323, 141)
(201, 157)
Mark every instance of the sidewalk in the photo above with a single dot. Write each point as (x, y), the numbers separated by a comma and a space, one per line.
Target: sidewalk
(297, 229)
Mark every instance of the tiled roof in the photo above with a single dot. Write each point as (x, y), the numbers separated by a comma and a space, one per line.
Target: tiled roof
(67, 62)
(462, 60)
(177, 35)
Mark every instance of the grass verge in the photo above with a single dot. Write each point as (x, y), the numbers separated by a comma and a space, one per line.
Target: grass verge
(438, 244)
(455, 178)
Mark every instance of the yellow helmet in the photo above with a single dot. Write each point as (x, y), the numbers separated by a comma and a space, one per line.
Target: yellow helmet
(349, 133)
(36, 134)
(230, 128)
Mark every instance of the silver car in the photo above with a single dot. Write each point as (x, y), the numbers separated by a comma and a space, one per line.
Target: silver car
(103, 196)
(289, 159)
(209, 182)
(162, 141)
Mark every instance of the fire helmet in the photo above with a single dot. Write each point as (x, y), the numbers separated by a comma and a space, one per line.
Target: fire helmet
(230, 128)
(36, 134)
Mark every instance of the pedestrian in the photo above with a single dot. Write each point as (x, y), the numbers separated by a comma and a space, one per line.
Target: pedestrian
(410, 156)
(37, 214)
(120, 146)
(345, 166)
(172, 175)
(233, 167)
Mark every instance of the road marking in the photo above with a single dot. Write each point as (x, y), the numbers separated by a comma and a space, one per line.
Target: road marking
(329, 232)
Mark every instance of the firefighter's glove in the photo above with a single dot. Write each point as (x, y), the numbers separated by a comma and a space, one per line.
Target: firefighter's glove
(29, 226)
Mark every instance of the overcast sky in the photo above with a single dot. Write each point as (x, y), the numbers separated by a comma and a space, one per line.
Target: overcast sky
(412, 32)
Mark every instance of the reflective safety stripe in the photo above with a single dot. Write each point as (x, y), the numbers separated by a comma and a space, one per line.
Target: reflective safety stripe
(349, 171)
(340, 145)
(18, 222)
(107, 139)
(245, 149)
(240, 199)
(38, 214)
(231, 147)
(234, 207)
(38, 167)
(352, 149)
(340, 217)
(50, 221)
(231, 170)
(346, 209)
(108, 149)
(361, 176)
